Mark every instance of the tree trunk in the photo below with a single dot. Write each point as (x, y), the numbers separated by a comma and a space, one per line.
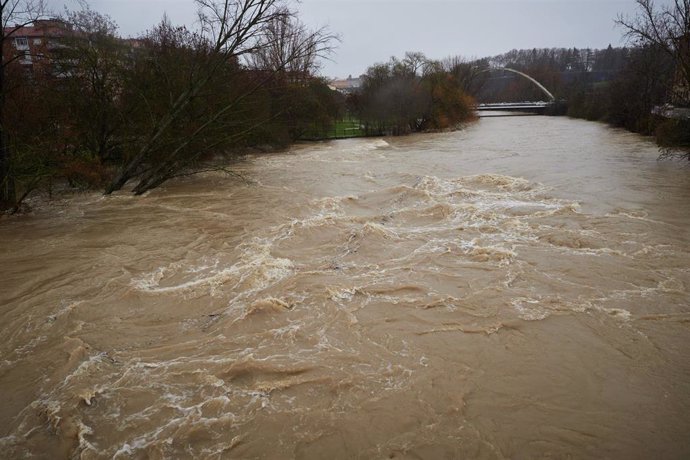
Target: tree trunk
(8, 194)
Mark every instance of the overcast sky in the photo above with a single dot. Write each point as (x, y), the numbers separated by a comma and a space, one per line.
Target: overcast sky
(374, 30)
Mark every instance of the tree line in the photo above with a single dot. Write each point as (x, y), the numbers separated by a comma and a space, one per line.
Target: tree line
(617, 85)
(412, 94)
(627, 87)
(94, 110)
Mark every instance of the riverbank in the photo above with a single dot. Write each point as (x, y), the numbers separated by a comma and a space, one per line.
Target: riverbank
(671, 134)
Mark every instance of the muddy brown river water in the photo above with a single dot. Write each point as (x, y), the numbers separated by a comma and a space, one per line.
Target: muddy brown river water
(517, 289)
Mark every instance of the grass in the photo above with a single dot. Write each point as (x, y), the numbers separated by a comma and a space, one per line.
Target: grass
(348, 127)
(341, 129)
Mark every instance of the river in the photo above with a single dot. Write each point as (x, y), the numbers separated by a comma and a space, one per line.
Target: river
(516, 289)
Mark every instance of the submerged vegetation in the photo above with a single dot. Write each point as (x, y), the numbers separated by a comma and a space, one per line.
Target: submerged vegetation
(410, 95)
(644, 88)
(91, 109)
(82, 107)
(626, 87)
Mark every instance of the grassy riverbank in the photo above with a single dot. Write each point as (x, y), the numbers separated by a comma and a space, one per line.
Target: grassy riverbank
(345, 128)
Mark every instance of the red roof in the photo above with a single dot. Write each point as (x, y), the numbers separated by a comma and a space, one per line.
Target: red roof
(41, 28)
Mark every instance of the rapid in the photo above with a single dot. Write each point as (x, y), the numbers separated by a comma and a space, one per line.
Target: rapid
(516, 289)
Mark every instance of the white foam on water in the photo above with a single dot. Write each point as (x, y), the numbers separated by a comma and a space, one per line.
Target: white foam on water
(636, 215)
(377, 144)
(619, 313)
(289, 331)
(529, 309)
(342, 294)
(373, 228)
(255, 270)
(29, 347)
(501, 181)
(481, 219)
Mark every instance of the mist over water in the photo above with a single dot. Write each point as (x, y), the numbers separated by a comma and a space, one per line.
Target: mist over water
(517, 289)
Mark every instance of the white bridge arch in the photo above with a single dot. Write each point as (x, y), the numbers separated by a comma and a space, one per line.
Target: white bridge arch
(522, 74)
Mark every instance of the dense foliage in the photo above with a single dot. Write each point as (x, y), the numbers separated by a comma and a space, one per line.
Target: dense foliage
(632, 88)
(621, 86)
(409, 95)
(96, 110)
(99, 111)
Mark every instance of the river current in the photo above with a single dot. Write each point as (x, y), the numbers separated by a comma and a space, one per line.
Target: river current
(516, 289)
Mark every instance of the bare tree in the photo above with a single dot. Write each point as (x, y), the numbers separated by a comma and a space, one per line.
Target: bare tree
(471, 76)
(415, 62)
(91, 64)
(14, 15)
(666, 26)
(230, 31)
(286, 44)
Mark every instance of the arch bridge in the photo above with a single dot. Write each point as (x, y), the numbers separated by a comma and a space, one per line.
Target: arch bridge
(527, 107)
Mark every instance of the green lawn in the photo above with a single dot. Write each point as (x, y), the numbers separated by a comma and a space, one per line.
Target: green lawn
(349, 127)
(341, 129)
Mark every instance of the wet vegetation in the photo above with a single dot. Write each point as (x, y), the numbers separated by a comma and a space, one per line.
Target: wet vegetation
(631, 87)
(85, 108)
(620, 86)
(410, 95)
(89, 109)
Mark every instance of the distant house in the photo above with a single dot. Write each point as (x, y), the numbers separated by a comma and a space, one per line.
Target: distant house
(31, 46)
(347, 86)
(36, 47)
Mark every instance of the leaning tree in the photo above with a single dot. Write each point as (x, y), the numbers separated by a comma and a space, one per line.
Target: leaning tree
(231, 32)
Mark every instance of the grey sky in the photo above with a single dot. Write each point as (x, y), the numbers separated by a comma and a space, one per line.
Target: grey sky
(374, 30)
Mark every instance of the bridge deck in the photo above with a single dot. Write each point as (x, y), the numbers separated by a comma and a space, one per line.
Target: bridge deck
(523, 108)
(514, 106)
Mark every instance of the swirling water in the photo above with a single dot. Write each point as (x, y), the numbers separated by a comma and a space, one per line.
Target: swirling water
(516, 289)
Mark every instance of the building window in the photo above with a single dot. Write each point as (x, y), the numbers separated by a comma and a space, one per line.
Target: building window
(25, 57)
(37, 41)
(21, 43)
